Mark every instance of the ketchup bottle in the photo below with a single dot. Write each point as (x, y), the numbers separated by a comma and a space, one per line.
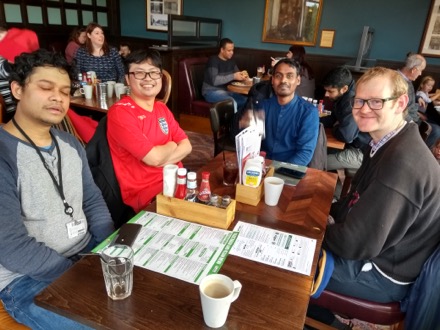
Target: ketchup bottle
(181, 183)
(204, 195)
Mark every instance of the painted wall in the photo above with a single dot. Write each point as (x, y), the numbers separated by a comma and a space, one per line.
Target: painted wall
(398, 24)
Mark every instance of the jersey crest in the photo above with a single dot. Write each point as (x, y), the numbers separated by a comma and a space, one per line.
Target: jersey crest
(163, 125)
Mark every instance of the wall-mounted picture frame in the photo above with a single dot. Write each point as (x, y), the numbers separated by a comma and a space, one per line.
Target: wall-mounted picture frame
(158, 11)
(430, 43)
(292, 21)
(327, 38)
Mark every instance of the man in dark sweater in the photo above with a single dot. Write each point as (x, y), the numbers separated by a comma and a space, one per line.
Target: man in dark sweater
(220, 71)
(387, 226)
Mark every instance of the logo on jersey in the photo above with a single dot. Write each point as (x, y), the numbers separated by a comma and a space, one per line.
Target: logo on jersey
(163, 125)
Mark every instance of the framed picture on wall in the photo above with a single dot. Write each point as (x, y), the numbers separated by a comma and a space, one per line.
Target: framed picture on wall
(292, 21)
(158, 11)
(430, 44)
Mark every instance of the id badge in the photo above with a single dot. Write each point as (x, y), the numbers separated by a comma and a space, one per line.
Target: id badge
(76, 228)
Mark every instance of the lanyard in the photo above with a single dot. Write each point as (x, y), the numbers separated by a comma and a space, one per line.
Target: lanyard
(67, 208)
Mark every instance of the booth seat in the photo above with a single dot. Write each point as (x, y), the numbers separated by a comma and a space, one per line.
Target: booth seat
(190, 99)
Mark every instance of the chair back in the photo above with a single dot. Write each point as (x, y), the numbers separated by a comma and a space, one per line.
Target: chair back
(165, 92)
(66, 125)
(319, 158)
(424, 129)
(2, 110)
(101, 166)
(221, 118)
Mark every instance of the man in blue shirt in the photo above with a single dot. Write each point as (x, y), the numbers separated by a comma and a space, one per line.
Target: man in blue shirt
(291, 123)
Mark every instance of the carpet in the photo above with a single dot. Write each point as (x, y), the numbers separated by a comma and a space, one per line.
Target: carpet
(202, 150)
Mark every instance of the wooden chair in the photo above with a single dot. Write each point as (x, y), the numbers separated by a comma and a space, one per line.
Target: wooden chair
(222, 115)
(2, 110)
(67, 126)
(165, 92)
(7, 322)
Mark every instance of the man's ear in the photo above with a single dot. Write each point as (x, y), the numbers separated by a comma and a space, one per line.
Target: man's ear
(16, 90)
(344, 89)
(402, 102)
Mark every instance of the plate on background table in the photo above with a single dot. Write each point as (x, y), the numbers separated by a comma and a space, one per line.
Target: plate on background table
(241, 84)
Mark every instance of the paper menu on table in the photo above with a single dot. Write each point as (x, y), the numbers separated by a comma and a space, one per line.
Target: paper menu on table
(274, 247)
(248, 144)
(177, 248)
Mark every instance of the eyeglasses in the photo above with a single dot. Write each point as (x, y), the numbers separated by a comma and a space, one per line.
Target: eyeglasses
(141, 75)
(373, 104)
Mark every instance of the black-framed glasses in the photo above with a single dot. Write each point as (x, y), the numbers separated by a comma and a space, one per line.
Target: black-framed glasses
(141, 75)
(373, 104)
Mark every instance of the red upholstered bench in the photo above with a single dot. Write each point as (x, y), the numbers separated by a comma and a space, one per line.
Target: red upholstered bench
(190, 99)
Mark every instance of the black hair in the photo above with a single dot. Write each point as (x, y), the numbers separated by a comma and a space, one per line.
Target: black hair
(225, 41)
(338, 78)
(289, 61)
(143, 55)
(25, 64)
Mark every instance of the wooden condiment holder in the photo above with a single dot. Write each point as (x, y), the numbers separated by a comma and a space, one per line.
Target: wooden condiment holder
(251, 195)
(195, 212)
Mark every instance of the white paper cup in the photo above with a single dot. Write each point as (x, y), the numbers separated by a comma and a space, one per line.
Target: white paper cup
(217, 292)
(273, 187)
(110, 88)
(120, 89)
(169, 179)
(87, 90)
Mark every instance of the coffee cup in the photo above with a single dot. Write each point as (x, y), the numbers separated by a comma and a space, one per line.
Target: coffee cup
(110, 88)
(87, 90)
(217, 292)
(273, 187)
(120, 89)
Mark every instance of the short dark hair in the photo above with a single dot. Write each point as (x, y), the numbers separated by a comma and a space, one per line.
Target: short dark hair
(225, 41)
(25, 64)
(338, 78)
(298, 53)
(143, 55)
(290, 62)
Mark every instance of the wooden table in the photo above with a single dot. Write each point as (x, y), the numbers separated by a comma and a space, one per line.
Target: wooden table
(333, 142)
(271, 298)
(240, 89)
(94, 108)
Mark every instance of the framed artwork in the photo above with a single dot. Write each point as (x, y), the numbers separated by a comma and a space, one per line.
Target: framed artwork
(327, 38)
(158, 11)
(430, 44)
(292, 21)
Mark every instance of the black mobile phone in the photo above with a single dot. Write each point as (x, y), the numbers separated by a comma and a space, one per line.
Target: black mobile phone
(290, 172)
(127, 234)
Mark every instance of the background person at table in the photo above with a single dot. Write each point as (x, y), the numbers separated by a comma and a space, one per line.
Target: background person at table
(291, 123)
(77, 38)
(307, 85)
(220, 71)
(387, 226)
(15, 41)
(142, 133)
(124, 49)
(96, 55)
(339, 87)
(424, 92)
(414, 66)
(39, 240)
